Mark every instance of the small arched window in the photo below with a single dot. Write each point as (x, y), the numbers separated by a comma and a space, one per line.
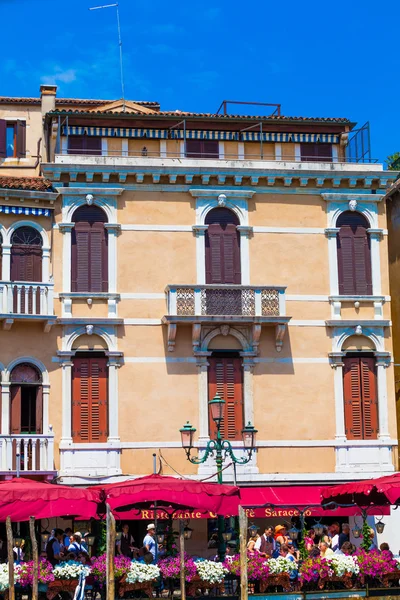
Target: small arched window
(26, 400)
(26, 255)
(222, 241)
(354, 255)
(89, 250)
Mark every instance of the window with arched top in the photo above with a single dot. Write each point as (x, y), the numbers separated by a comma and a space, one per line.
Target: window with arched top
(26, 400)
(354, 255)
(89, 260)
(222, 245)
(26, 255)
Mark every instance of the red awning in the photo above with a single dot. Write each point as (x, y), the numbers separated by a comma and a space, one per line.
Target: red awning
(21, 498)
(382, 490)
(262, 503)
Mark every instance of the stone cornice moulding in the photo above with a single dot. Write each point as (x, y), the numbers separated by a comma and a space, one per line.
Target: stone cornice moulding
(28, 195)
(207, 193)
(95, 191)
(346, 197)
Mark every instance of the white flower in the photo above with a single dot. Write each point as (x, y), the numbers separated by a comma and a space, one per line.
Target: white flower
(210, 571)
(342, 564)
(4, 576)
(140, 572)
(70, 570)
(281, 565)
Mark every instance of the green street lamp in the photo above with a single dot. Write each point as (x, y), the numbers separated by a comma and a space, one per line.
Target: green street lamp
(221, 449)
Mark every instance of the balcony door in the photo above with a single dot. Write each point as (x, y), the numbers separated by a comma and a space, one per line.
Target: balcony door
(26, 400)
(222, 248)
(225, 378)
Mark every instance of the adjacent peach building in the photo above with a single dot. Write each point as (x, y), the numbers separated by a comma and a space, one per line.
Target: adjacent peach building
(170, 255)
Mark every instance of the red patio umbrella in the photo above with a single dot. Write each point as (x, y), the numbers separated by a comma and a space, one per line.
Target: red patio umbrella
(171, 491)
(22, 498)
(380, 492)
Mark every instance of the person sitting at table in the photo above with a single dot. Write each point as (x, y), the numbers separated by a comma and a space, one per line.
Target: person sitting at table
(325, 550)
(76, 545)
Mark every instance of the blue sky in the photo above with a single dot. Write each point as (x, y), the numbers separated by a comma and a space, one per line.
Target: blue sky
(315, 58)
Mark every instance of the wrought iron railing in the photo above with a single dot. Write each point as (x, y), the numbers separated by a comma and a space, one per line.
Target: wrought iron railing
(226, 300)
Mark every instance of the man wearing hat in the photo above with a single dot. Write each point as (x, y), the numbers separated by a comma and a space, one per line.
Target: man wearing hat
(149, 542)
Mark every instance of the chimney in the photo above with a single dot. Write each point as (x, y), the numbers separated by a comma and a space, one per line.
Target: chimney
(48, 98)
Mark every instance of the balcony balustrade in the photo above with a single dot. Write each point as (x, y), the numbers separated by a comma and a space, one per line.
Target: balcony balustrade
(26, 301)
(220, 304)
(34, 451)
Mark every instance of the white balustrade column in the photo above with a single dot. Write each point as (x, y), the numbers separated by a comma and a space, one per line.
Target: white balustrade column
(245, 233)
(375, 237)
(331, 233)
(46, 396)
(337, 365)
(66, 229)
(248, 398)
(5, 408)
(6, 262)
(381, 377)
(200, 231)
(113, 366)
(113, 231)
(202, 365)
(66, 427)
(45, 264)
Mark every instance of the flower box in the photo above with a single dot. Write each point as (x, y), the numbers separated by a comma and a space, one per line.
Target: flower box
(143, 586)
(281, 580)
(61, 585)
(197, 583)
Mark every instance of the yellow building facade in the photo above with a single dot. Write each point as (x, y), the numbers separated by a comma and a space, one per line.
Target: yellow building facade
(187, 254)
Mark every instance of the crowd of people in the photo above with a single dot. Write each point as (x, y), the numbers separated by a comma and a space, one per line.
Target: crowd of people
(66, 545)
(335, 539)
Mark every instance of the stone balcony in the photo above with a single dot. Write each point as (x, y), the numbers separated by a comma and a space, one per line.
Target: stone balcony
(26, 301)
(225, 305)
(33, 452)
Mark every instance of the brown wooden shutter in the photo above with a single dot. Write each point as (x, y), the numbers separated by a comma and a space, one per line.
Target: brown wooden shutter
(222, 245)
(93, 146)
(193, 148)
(21, 139)
(76, 144)
(39, 409)
(225, 377)
(370, 398)
(89, 252)
(316, 152)
(3, 138)
(15, 421)
(360, 398)
(354, 255)
(26, 263)
(80, 269)
(89, 400)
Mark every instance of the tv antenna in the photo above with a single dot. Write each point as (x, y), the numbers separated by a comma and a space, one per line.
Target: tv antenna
(120, 46)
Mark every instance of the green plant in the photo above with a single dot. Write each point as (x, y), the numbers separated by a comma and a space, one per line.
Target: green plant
(367, 536)
(393, 161)
(102, 545)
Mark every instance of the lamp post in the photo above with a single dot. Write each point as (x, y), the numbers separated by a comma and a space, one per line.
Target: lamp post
(221, 449)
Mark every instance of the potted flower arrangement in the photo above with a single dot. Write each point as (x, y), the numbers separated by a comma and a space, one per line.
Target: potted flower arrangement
(211, 572)
(170, 567)
(4, 576)
(257, 567)
(45, 574)
(99, 568)
(313, 570)
(377, 567)
(140, 572)
(70, 570)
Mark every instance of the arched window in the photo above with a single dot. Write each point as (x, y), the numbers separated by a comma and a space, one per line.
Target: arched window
(360, 397)
(26, 400)
(222, 241)
(90, 398)
(89, 250)
(26, 255)
(225, 378)
(354, 255)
